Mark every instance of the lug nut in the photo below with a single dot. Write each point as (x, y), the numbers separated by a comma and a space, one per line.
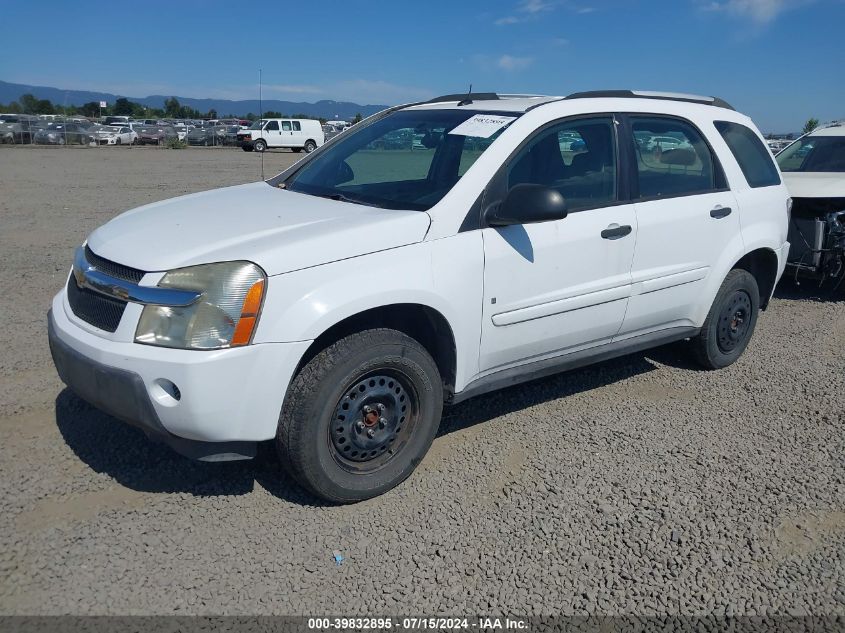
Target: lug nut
(359, 425)
(382, 423)
(370, 433)
(380, 407)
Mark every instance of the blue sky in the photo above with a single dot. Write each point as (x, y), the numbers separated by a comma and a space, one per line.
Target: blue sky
(781, 61)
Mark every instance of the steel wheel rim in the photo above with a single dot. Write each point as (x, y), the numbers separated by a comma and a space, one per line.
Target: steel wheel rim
(734, 321)
(373, 420)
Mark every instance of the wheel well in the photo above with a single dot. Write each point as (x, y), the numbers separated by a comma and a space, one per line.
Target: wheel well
(763, 264)
(310, 140)
(425, 325)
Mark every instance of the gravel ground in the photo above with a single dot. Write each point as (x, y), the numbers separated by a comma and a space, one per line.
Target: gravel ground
(639, 486)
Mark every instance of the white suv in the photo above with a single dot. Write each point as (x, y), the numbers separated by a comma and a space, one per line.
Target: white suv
(339, 305)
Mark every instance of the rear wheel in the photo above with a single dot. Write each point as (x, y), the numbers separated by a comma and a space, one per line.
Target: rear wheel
(310, 146)
(730, 323)
(296, 150)
(360, 416)
(259, 145)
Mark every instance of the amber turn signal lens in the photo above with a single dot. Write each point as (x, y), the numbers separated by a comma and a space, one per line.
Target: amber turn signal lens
(249, 315)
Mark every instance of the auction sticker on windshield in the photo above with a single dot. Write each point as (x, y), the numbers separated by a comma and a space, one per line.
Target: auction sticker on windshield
(482, 125)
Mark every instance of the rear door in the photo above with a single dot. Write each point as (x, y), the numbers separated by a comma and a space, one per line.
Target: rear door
(297, 137)
(286, 135)
(686, 215)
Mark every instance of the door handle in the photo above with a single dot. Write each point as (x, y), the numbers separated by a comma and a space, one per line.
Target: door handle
(720, 212)
(614, 231)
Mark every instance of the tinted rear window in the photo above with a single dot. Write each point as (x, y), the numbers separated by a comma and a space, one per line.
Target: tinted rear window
(755, 161)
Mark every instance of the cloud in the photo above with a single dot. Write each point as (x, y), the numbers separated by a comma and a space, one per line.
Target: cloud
(498, 63)
(510, 63)
(525, 11)
(759, 11)
(293, 89)
(367, 91)
(535, 6)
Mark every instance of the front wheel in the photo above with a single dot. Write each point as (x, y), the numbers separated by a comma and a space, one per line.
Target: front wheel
(259, 146)
(360, 416)
(729, 325)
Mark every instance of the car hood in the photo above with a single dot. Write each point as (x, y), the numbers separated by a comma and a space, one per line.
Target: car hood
(279, 230)
(815, 184)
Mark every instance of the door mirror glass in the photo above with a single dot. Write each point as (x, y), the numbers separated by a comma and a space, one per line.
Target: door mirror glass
(526, 204)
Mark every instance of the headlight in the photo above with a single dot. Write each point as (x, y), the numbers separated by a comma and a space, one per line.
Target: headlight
(224, 316)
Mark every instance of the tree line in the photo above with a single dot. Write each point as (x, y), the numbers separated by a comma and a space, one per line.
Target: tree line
(29, 104)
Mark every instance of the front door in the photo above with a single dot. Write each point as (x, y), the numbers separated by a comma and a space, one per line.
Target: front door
(686, 217)
(556, 287)
(272, 134)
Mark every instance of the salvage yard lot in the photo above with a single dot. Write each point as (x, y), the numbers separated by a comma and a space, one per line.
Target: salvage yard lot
(641, 485)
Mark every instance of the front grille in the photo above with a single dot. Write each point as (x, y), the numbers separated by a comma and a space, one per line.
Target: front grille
(113, 269)
(99, 310)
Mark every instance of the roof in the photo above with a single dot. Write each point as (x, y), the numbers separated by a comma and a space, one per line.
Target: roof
(491, 101)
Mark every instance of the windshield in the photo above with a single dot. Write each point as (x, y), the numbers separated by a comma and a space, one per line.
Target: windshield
(814, 153)
(257, 125)
(407, 160)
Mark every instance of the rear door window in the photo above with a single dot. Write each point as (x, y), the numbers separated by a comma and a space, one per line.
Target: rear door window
(672, 158)
(755, 161)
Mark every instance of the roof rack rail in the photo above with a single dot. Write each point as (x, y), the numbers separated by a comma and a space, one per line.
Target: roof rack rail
(475, 96)
(647, 94)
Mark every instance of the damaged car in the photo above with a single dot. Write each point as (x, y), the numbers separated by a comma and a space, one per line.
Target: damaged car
(814, 172)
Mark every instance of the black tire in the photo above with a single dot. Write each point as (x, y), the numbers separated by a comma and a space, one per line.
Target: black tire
(260, 145)
(310, 146)
(730, 324)
(392, 391)
(246, 148)
(296, 150)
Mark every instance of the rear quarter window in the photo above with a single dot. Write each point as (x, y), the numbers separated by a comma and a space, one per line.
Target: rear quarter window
(755, 160)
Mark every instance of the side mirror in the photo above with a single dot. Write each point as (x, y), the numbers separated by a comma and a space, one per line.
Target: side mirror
(527, 204)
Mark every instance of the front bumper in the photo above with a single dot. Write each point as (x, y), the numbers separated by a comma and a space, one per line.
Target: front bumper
(225, 401)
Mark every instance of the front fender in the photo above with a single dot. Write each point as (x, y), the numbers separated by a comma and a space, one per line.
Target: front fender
(444, 275)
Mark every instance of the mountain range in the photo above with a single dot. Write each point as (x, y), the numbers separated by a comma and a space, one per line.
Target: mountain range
(327, 109)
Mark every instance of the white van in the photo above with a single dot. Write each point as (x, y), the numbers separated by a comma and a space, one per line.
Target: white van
(297, 134)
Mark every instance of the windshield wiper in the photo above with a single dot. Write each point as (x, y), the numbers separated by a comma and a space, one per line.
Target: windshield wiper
(341, 198)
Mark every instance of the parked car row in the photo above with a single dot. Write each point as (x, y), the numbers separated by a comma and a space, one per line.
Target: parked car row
(296, 134)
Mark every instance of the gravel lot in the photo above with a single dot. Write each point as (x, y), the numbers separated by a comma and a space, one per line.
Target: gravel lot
(638, 486)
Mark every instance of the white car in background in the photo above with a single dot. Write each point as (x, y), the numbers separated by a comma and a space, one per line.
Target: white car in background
(115, 135)
(814, 172)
